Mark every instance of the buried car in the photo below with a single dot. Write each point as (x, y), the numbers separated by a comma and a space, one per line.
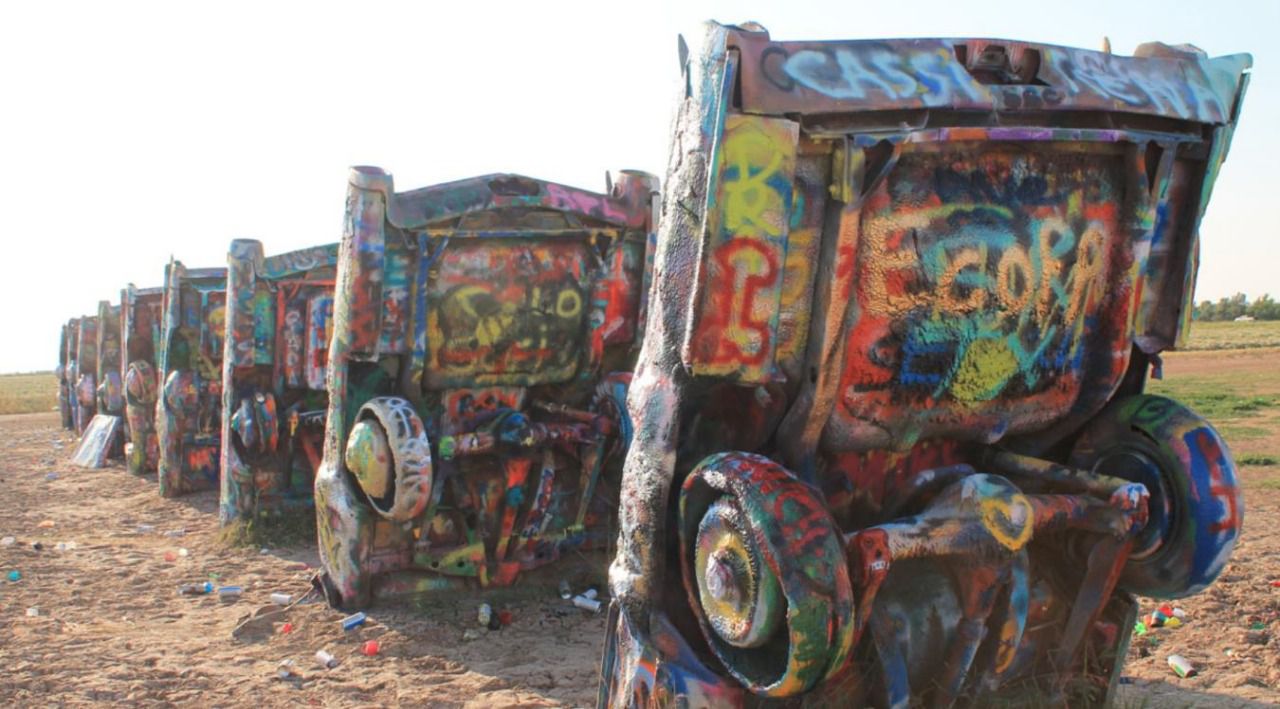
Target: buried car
(110, 389)
(66, 366)
(84, 368)
(141, 313)
(483, 335)
(891, 444)
(188, 416)
(278, 321)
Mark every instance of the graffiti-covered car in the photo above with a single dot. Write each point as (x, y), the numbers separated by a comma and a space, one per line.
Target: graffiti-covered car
(63, 372)
(483, 334)
(84, 402)
(108, 374)
(141, 315)
(891, 444)
(188, 416)
(273, 388)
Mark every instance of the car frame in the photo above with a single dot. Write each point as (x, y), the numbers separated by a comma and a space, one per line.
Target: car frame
(189, 404)
(483, 336)
(891, 442)
(273, 383)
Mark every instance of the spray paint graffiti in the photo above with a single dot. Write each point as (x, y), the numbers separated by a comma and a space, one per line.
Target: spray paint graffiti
(141, 314)
(110, 390)
(65, 372)
(829, 77)
(517, 302)
(885, 313)
(273, 377)
(189, 402)
(748, 220)
(507, 310)
(85, 372)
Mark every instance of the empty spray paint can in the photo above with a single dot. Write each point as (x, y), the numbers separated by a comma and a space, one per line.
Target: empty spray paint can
(229, 593)
(353, 621)
(1181, 666)
(591, 593)
(326, 660)
(566, 591)
(281, 599)
(195, 589)
(484, 614)
(587, 604)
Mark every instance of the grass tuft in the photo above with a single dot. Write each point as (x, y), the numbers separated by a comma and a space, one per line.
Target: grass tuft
(1257, 459)
(295, 527)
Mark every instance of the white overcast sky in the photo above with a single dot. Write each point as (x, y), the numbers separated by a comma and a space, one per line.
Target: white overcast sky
(130, 131)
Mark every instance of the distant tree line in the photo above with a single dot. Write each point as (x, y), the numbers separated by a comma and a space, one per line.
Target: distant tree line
(1264, 308)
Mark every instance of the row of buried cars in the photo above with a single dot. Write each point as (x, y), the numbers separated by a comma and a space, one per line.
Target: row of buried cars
(860, 399)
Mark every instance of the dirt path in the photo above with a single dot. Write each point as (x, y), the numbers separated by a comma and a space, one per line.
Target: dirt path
(111, 628)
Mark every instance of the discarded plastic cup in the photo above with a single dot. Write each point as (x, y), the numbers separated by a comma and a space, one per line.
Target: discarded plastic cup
(281, 599)
(195, 589)
(326, 660)
(370, 648)
(587, 604)
(484, 614)
(229, 592)
(353, 621)
(1181, 666)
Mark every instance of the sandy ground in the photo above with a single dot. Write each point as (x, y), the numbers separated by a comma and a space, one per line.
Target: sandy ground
(1236, 666)
(111, 627)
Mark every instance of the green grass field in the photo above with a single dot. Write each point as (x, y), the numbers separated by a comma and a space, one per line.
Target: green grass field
(1234, 335)
(28, 393)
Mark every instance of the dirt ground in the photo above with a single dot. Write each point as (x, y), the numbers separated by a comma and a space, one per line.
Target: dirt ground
(111, 628)
(1236, 666)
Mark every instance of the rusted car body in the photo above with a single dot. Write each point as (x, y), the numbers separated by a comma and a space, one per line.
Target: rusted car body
(483, 336)
(891, 443)
(189, 406)
(84, 403)
(273, 383)
(63, 372)
(141, 314)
